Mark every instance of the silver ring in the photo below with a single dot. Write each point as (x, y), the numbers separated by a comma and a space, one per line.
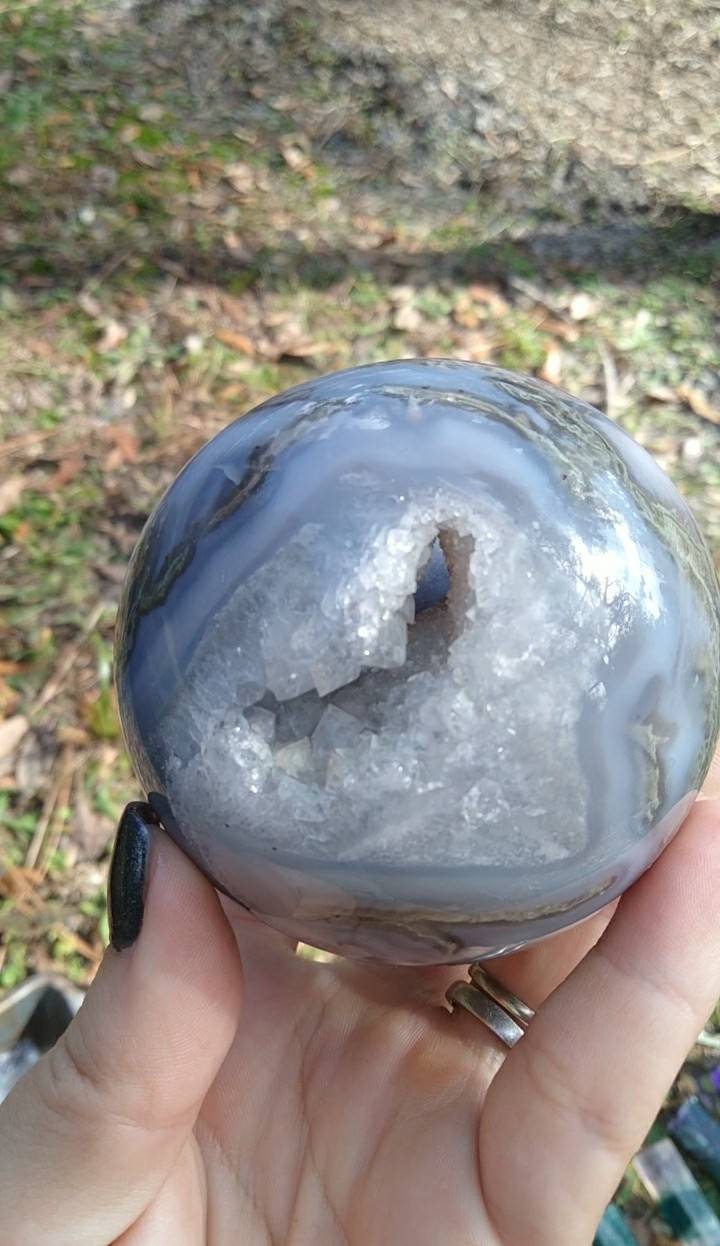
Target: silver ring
(490, 1002)
(522, 1013)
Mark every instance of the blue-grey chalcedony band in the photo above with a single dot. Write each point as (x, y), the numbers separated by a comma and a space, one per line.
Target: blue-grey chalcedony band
(601, 514)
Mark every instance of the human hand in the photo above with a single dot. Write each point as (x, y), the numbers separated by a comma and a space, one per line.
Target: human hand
(217, 1089)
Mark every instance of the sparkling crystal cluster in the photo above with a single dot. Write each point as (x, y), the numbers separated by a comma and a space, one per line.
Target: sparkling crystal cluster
(421, 660)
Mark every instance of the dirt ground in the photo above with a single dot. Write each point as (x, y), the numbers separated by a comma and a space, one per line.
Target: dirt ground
(203, 203)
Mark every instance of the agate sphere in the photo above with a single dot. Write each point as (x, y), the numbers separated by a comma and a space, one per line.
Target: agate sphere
(420, 661)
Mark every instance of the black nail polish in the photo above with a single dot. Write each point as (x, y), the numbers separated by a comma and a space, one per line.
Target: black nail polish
(128, 873)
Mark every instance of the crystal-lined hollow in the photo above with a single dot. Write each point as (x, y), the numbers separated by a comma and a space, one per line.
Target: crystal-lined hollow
(420, 661)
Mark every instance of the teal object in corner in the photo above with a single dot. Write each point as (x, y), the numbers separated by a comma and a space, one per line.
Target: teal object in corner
(680, 1201)
(613, 1230)
(699, 1134)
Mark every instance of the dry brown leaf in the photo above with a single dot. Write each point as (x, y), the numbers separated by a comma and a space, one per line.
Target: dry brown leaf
(69, 734)
(698, 402)
(9, 698)
(12, 668)
(125, 442)
(241, 177)
(22, 532)
(20, 885)
(560, 328)
(12, 731)
(292, 343)
(151, 112)
(34, 760)
(89, 304)
(113, 572)
(407, 318)
(232, 391)
(294, 157)
(298, 160)
(66, 471)
(52, 315)
(39, 346)
(107, 755)
(148, 159)
(552, 368)
(466, 313)
(401, 294)
(236, 246)
(369, 224)
(582, 306)
(113, 335)
(660, 393)
(129, 132)
(11, 491)
(238, 341)
(290, 338)
(490, 296)
(477, 346)
(91, 830)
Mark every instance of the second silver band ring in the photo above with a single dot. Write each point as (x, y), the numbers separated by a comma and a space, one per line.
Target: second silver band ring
(489, 1001)
(521, 1012)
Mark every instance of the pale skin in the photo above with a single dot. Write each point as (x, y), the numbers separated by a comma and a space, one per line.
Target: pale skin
(217, 1089)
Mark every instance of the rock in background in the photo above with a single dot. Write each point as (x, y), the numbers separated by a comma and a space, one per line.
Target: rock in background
(577, 108)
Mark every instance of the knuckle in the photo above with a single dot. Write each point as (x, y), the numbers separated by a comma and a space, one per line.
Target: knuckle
(91, 1081)
(556, 1087)
(72, 1084)
(78, 1088)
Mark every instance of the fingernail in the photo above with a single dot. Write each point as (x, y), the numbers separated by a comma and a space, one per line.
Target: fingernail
(128, 873)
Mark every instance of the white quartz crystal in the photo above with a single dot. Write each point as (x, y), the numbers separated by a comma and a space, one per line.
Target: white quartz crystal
(426, 730)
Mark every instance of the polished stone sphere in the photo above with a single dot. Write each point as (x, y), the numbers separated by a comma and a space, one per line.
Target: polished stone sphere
(420, 661)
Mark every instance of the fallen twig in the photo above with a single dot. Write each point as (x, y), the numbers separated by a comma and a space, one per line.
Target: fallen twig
(616, 389)
(698, 403)
(19, 885)
(68, 659)
(709, 1040)
(93, 954)
(17, 445)
(49, 829)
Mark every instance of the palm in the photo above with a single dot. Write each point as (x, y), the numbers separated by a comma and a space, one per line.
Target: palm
(344, 1113)
(352, 1109)
(217, 1090)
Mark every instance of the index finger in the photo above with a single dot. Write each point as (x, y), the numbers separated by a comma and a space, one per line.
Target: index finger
(575, 1097)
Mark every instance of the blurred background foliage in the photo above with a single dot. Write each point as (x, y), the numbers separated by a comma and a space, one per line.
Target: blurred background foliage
(202, 203)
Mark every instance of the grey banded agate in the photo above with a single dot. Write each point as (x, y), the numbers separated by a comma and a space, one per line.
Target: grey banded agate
(420, 661)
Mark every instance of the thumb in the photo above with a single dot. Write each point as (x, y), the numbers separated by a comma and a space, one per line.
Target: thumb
(88, 1137)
